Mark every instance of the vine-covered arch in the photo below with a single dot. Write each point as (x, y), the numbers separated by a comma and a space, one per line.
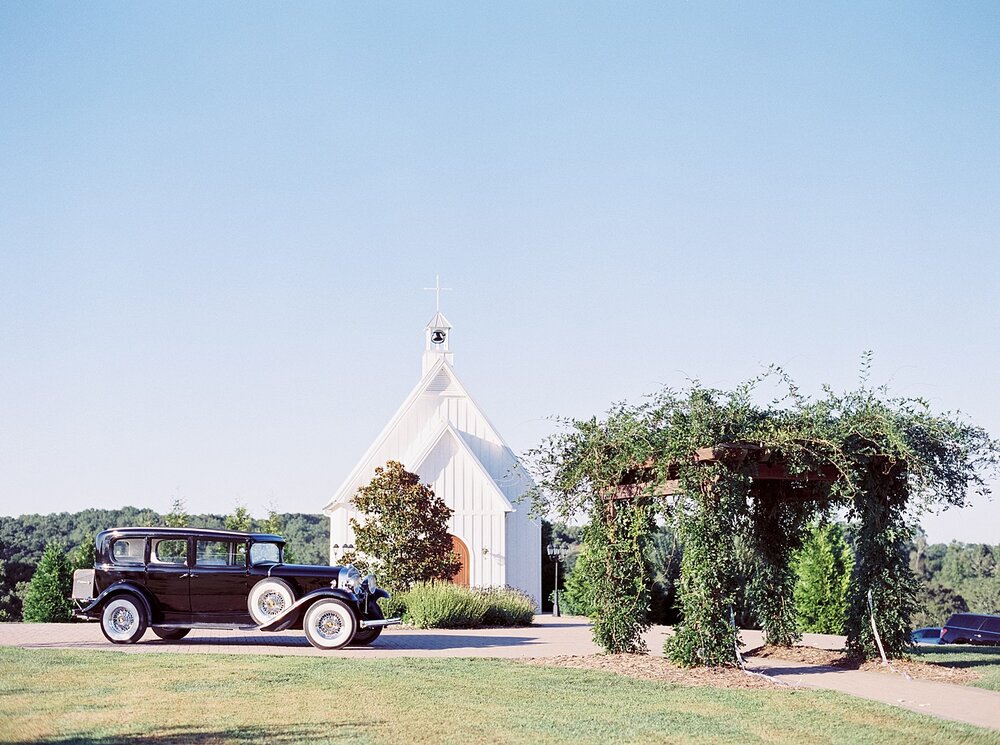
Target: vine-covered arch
(727, 472)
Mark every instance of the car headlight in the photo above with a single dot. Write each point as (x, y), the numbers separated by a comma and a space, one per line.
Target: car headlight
(370, 581)
(349, 577)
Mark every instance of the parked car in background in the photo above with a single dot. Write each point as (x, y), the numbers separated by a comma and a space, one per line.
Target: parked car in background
(971, 628)
(177, 579)
(927, 635)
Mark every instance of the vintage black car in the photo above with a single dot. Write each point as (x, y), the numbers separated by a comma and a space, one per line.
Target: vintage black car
(177, 579)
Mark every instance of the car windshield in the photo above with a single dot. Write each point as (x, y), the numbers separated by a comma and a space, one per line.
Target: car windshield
(265, 553)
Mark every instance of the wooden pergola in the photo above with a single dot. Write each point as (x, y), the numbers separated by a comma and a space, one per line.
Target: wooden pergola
(770, 474)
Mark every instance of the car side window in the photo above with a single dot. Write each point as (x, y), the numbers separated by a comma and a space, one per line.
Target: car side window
(221, 553)
(169, 551)
(992, 624)
(128, 551)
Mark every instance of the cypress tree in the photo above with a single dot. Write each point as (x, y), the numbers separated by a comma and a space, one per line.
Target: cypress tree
(47, 597)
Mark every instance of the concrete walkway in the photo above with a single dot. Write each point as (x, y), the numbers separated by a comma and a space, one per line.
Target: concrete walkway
(961, 703)
(548, 637)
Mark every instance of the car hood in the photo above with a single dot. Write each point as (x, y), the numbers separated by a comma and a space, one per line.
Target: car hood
(304, 570)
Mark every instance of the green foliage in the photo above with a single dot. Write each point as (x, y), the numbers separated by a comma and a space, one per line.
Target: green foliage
(444, 605)
(241, 520)
(405, 529)
(507, 606)
(935, 604)
(178, 516)
(878, 458)
(707, 635)
(47, 597)
(84, 555)
(577, 597)
(274, 524)
(823, 570)
(617, 542)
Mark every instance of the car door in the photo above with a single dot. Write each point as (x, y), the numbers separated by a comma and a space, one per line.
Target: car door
(168, 576)
(219, 580)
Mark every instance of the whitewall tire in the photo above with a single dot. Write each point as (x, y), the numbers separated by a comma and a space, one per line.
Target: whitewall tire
(268, 599)
(329, 624)
(123, 620)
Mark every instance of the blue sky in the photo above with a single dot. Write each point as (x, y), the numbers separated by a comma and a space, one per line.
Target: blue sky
(216, 221)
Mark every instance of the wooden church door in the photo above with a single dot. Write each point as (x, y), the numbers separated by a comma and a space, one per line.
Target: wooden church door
(461, 577)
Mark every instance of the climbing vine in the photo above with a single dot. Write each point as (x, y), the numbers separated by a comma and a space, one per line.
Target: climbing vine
(725, 471)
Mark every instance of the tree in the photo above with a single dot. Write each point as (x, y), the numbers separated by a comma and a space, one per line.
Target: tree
(178, 516)
(935, 603)
(84, 556)
(275, 525)
(823, 570)
(240, 519)
(405, 529)
(47, 597)
(577, 598)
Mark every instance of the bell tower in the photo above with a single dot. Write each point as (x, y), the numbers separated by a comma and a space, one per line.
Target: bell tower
(437, 333)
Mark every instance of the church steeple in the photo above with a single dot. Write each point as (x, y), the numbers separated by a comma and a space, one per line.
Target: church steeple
(437, 333)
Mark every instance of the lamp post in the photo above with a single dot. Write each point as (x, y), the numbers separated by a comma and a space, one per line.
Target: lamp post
(557, 554)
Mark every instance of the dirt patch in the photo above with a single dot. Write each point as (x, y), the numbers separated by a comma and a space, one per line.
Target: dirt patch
(647, 667)
(913, 668)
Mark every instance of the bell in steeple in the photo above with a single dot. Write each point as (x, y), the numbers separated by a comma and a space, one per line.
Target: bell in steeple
(437, 342)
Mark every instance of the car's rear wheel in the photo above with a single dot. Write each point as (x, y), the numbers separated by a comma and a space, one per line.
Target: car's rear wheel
(268, 599)
(329, 624)
(123, 620)
(365, 636)
(171, 634)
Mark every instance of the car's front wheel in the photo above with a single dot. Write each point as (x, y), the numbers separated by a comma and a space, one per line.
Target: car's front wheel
(268, 599)
(366, 636)
(171, 634)
(329, 624)
(123, 620)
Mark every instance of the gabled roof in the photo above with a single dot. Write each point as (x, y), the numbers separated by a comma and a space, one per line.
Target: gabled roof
(427, 384)
(446, 430)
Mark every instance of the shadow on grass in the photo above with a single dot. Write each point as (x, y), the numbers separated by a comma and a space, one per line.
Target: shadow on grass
(407, 641)
(187, 735)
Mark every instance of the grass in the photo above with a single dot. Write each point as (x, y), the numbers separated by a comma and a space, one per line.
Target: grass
(98, 698)
(983, 660)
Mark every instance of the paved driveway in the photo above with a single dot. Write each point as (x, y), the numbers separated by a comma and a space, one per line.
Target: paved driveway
(547, 637)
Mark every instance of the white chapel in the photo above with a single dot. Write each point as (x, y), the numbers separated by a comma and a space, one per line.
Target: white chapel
(442, 435)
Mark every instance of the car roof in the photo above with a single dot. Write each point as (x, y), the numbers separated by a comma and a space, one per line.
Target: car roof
(207, 532)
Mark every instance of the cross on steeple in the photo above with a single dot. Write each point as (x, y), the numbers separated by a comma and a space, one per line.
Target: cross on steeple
(437, 289)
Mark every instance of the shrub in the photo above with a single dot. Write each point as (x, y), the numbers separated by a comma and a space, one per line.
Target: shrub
(47, 597)
(507, 606)
(443, 605)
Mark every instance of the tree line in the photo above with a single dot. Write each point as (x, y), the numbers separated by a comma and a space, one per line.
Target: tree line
(25, 539)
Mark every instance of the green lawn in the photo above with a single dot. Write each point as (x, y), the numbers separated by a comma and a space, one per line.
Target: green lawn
(105, 697)
(983, 660)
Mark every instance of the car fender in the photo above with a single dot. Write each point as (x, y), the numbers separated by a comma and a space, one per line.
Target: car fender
(118, 588)
(299, 606)
(380, 594)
